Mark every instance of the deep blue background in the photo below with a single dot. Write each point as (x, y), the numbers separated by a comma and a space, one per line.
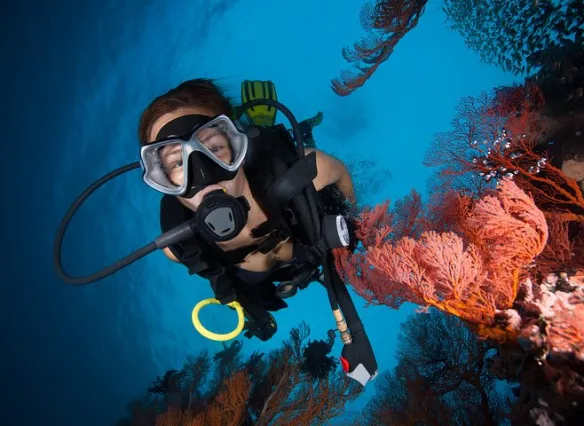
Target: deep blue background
(76, 76)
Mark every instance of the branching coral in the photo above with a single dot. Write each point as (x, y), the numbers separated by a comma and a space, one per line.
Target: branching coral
(500, 135)
(229, 406)
(512, 133)
(387, 22)
(290, 396)
(278, 389)
(472, 275)
(227, 409)
(478, 268)
(441, 378)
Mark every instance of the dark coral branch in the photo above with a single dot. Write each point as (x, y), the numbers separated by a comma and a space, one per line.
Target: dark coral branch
(387, 22)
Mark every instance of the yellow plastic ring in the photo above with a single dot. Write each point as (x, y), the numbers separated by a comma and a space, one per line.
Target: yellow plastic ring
(216, 336)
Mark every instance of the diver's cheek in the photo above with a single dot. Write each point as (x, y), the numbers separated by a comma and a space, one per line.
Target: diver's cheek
(177, 179)
(188, 203)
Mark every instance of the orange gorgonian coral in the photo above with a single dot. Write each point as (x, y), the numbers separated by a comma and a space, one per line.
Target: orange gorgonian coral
(473, 274)
(498, 135)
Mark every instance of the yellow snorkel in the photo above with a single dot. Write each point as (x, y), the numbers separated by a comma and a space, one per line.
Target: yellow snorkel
(261, 115)
(216, 336)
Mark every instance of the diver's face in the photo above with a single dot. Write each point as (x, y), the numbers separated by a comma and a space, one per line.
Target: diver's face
(213, 139)
(216, 141)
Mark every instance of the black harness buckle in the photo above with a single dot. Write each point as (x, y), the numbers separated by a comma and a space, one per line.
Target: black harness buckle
(272, 241)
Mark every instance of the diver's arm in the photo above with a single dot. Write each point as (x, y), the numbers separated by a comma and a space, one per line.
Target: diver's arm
(345, 184)
(169, 254)
(332, 171)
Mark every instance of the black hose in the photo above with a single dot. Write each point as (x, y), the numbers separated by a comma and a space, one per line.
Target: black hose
(105, 272)
(181, 232)
(284, 110)
(329, 286)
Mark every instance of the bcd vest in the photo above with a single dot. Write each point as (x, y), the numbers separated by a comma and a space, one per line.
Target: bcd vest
(270, 155)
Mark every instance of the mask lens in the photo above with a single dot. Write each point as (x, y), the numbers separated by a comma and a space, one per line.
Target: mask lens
(165, 165)
(171, 161)
(217, 139)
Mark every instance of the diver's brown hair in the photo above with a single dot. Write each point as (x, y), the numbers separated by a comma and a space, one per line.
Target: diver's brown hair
(199, 92)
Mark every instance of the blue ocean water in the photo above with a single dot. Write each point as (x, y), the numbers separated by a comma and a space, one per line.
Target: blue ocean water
(76, 77)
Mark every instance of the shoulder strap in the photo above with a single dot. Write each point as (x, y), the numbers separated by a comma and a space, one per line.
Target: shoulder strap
(271, 149)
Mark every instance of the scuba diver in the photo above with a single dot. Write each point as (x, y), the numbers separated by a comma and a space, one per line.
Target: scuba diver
(245, 206)
(257, 253)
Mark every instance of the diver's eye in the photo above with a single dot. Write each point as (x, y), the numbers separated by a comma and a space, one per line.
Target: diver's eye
(215, 149)
(209, 134)
(177, 164)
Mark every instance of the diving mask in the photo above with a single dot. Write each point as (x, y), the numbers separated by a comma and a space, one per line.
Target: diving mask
(192, 152)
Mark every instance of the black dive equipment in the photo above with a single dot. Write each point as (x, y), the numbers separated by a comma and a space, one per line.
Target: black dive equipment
(357, 359)
(220, 216)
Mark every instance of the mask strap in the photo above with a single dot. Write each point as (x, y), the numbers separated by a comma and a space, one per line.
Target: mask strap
(181, 126)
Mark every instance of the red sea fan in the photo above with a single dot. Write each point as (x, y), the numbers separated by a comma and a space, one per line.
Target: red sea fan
(387, 22)
(472, 275)
(499, 135)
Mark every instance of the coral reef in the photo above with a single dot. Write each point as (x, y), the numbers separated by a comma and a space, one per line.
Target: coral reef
(480, 268)
(547, 361)
(501, 135)
(500, 244)
(471, 275)
(296, 384)
(442, 377)
(442, 254)
(507, 134)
